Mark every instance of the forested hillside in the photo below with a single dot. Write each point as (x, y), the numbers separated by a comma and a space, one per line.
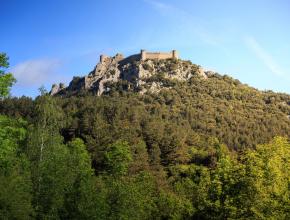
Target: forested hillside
(201, 148)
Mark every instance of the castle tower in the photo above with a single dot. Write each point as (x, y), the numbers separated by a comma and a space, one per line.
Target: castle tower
(103, 58)
(143, 55)
(174, 54)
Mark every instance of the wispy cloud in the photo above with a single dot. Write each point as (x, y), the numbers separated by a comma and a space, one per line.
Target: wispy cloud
(162, 7)
(37, 72)
(188, 24)
(167, 9)
(265, 57)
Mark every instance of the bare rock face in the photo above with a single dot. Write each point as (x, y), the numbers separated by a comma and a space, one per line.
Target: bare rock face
(143, 75)
(105, 71)
(56, 88)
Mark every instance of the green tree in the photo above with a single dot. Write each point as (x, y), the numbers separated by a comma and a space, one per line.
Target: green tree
(80, 197)
(127, 197)
(214, 192)
(49, 159)
(266, 180)
(6, 79)
(15, 190)
(140, 158)
(173, 206)
(223, 196)
(117, 158)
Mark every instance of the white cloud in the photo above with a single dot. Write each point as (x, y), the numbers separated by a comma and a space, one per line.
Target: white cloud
(265, 57)
(37, 72)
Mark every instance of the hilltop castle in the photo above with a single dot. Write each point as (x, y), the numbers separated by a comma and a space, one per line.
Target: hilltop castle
(136, 71)
(144, 55)
(158, 55)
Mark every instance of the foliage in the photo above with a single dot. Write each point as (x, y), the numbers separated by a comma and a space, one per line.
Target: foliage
(266, 180)
(6, 79)
(117, 158)
(202, 149)
(80, 194)
(15, 190)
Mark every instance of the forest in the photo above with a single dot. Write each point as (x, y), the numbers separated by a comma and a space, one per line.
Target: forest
(203, 149)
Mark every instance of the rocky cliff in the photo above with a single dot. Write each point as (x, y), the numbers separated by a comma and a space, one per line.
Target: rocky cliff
(140, 75)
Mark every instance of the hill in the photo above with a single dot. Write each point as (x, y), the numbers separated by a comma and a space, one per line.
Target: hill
(147, 139)
(169, 93)
(139, 74)
(179, 94)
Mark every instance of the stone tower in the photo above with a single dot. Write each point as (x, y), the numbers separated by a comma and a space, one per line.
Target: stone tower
(174, 54)
(103, 58)
(143, 54)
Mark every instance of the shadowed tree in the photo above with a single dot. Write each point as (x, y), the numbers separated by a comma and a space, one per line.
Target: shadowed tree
(80, 196)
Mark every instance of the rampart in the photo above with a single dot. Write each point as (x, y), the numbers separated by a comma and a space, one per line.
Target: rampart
(158, 55)
(144, 55)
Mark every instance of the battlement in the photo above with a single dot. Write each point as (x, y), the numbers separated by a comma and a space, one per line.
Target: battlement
(158, 55)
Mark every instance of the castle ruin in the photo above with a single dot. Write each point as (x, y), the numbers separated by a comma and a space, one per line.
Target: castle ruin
(105, 58)
(158, 55)
(144, 55)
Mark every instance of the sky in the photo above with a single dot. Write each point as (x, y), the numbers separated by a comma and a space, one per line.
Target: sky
(50, 41)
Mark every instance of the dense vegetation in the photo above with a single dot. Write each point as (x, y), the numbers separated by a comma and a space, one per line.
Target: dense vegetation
(204, 149)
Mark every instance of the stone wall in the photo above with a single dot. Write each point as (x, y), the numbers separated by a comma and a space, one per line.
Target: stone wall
(144, 55)
(158, 55)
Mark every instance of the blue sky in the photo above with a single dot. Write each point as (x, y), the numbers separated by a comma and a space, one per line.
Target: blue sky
(52, 41)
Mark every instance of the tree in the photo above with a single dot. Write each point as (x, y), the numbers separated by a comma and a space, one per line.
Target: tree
(15, 190)
(223, 196)
(63, 180)
(117, 158)
(49, 159)
(173, 206)
(140, 157)
(266, 181)
(127, 197)
(80, 197)
(214, 192)
(123, 196)
(6, 79)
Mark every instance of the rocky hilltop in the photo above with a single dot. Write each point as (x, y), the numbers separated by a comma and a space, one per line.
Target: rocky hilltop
(137, 73)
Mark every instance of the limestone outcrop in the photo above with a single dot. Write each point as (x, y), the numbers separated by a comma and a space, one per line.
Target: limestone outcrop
(150, 75)
(56, 88)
